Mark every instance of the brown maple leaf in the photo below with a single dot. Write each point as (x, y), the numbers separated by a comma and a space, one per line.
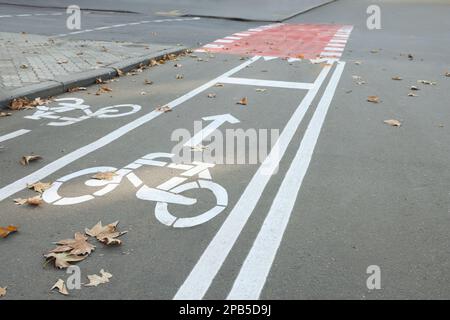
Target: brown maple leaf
(27, 159)
(62, 260)
(39, 186)
(77, 246)
(61, 286)
(33, 201)
(107, 234)
(3, 291)
(373, 99)
(104, 175)
(95, 280)
(243, 101)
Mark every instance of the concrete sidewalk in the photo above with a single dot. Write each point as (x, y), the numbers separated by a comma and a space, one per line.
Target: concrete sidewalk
(35, 65)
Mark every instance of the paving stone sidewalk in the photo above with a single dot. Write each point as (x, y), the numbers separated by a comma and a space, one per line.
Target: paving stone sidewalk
(27, 59)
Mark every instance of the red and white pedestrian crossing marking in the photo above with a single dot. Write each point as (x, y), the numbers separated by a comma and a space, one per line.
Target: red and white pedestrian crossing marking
(293, 41)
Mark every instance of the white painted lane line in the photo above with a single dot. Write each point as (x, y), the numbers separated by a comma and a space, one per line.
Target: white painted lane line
(125, 25)
(233, 38)
(224, 41)
(241, 34)
(206, 268)
(24, 15)
(253, 274)
(333, 49)
(269, 83)
(338, 40)
(13, 134)
(110, 137)
(340, 45)
(330, 54)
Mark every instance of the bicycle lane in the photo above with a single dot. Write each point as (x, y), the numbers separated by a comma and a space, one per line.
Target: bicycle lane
(161, 255)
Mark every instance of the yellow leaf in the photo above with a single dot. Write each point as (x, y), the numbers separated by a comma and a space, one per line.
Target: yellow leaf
(243, 101)
(5, 231)
(373, 99)
(104, 175)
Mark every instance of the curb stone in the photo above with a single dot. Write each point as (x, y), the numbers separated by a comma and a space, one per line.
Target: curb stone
(81, 79)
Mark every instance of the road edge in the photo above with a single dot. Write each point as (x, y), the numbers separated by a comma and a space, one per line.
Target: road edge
(61, 84)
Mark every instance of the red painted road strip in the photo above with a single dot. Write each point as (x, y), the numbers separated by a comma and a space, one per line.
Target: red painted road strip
(303, 41)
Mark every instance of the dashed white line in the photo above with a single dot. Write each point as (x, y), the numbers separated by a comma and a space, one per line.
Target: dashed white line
(125, 25)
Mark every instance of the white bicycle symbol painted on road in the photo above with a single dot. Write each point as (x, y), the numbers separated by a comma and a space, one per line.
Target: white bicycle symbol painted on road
(168, 192)
(71, 104)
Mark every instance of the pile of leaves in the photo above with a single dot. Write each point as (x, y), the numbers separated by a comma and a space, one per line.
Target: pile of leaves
(25, 103)
(79, 248)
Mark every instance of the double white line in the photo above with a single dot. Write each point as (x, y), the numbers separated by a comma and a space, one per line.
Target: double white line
(253, 274)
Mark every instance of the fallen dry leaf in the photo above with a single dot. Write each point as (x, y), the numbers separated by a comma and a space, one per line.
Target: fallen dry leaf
(61, 286)
(3, 291)
(177, 65)
(119, 72)
(33, 201)
(243, 101)
(27, 159)
(393, 122)
(218, 85)
(39, 186)
(98, 80)
(426, 82)
(199, 147)
(374, 51)
(412, 94)
(5, 114)
(62, 260)
(414, 88)
(410, 56)
(77, 246)
(103, 89)
(261, 90)
(447, 74)
(76, 89)
(397, 78)
(357, 63)
(104, 175)
(25, 103)
(95, 280)
(374, 99)
(211, 95)
(300, 56)
(164, 109)
(6, 231)
(179, 76)
(106, 234)
(146, 81)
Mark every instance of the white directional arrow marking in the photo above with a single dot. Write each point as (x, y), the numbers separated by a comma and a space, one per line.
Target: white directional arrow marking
(218, 120)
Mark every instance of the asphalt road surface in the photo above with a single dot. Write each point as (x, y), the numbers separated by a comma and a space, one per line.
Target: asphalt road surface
(340, 190)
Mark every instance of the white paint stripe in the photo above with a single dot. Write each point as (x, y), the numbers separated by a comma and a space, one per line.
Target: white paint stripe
(333, 49)
(253, 274)
(224, 41)
(215, 46)
(341, 45)
(125, 25)
(206, 268)
(241, 34)
(110, 137)
(102, 28)
(330, 54)
(233, 38)
(24, 15)
(338, 40)
(6, 16)
(269, 83)
(13, 134)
